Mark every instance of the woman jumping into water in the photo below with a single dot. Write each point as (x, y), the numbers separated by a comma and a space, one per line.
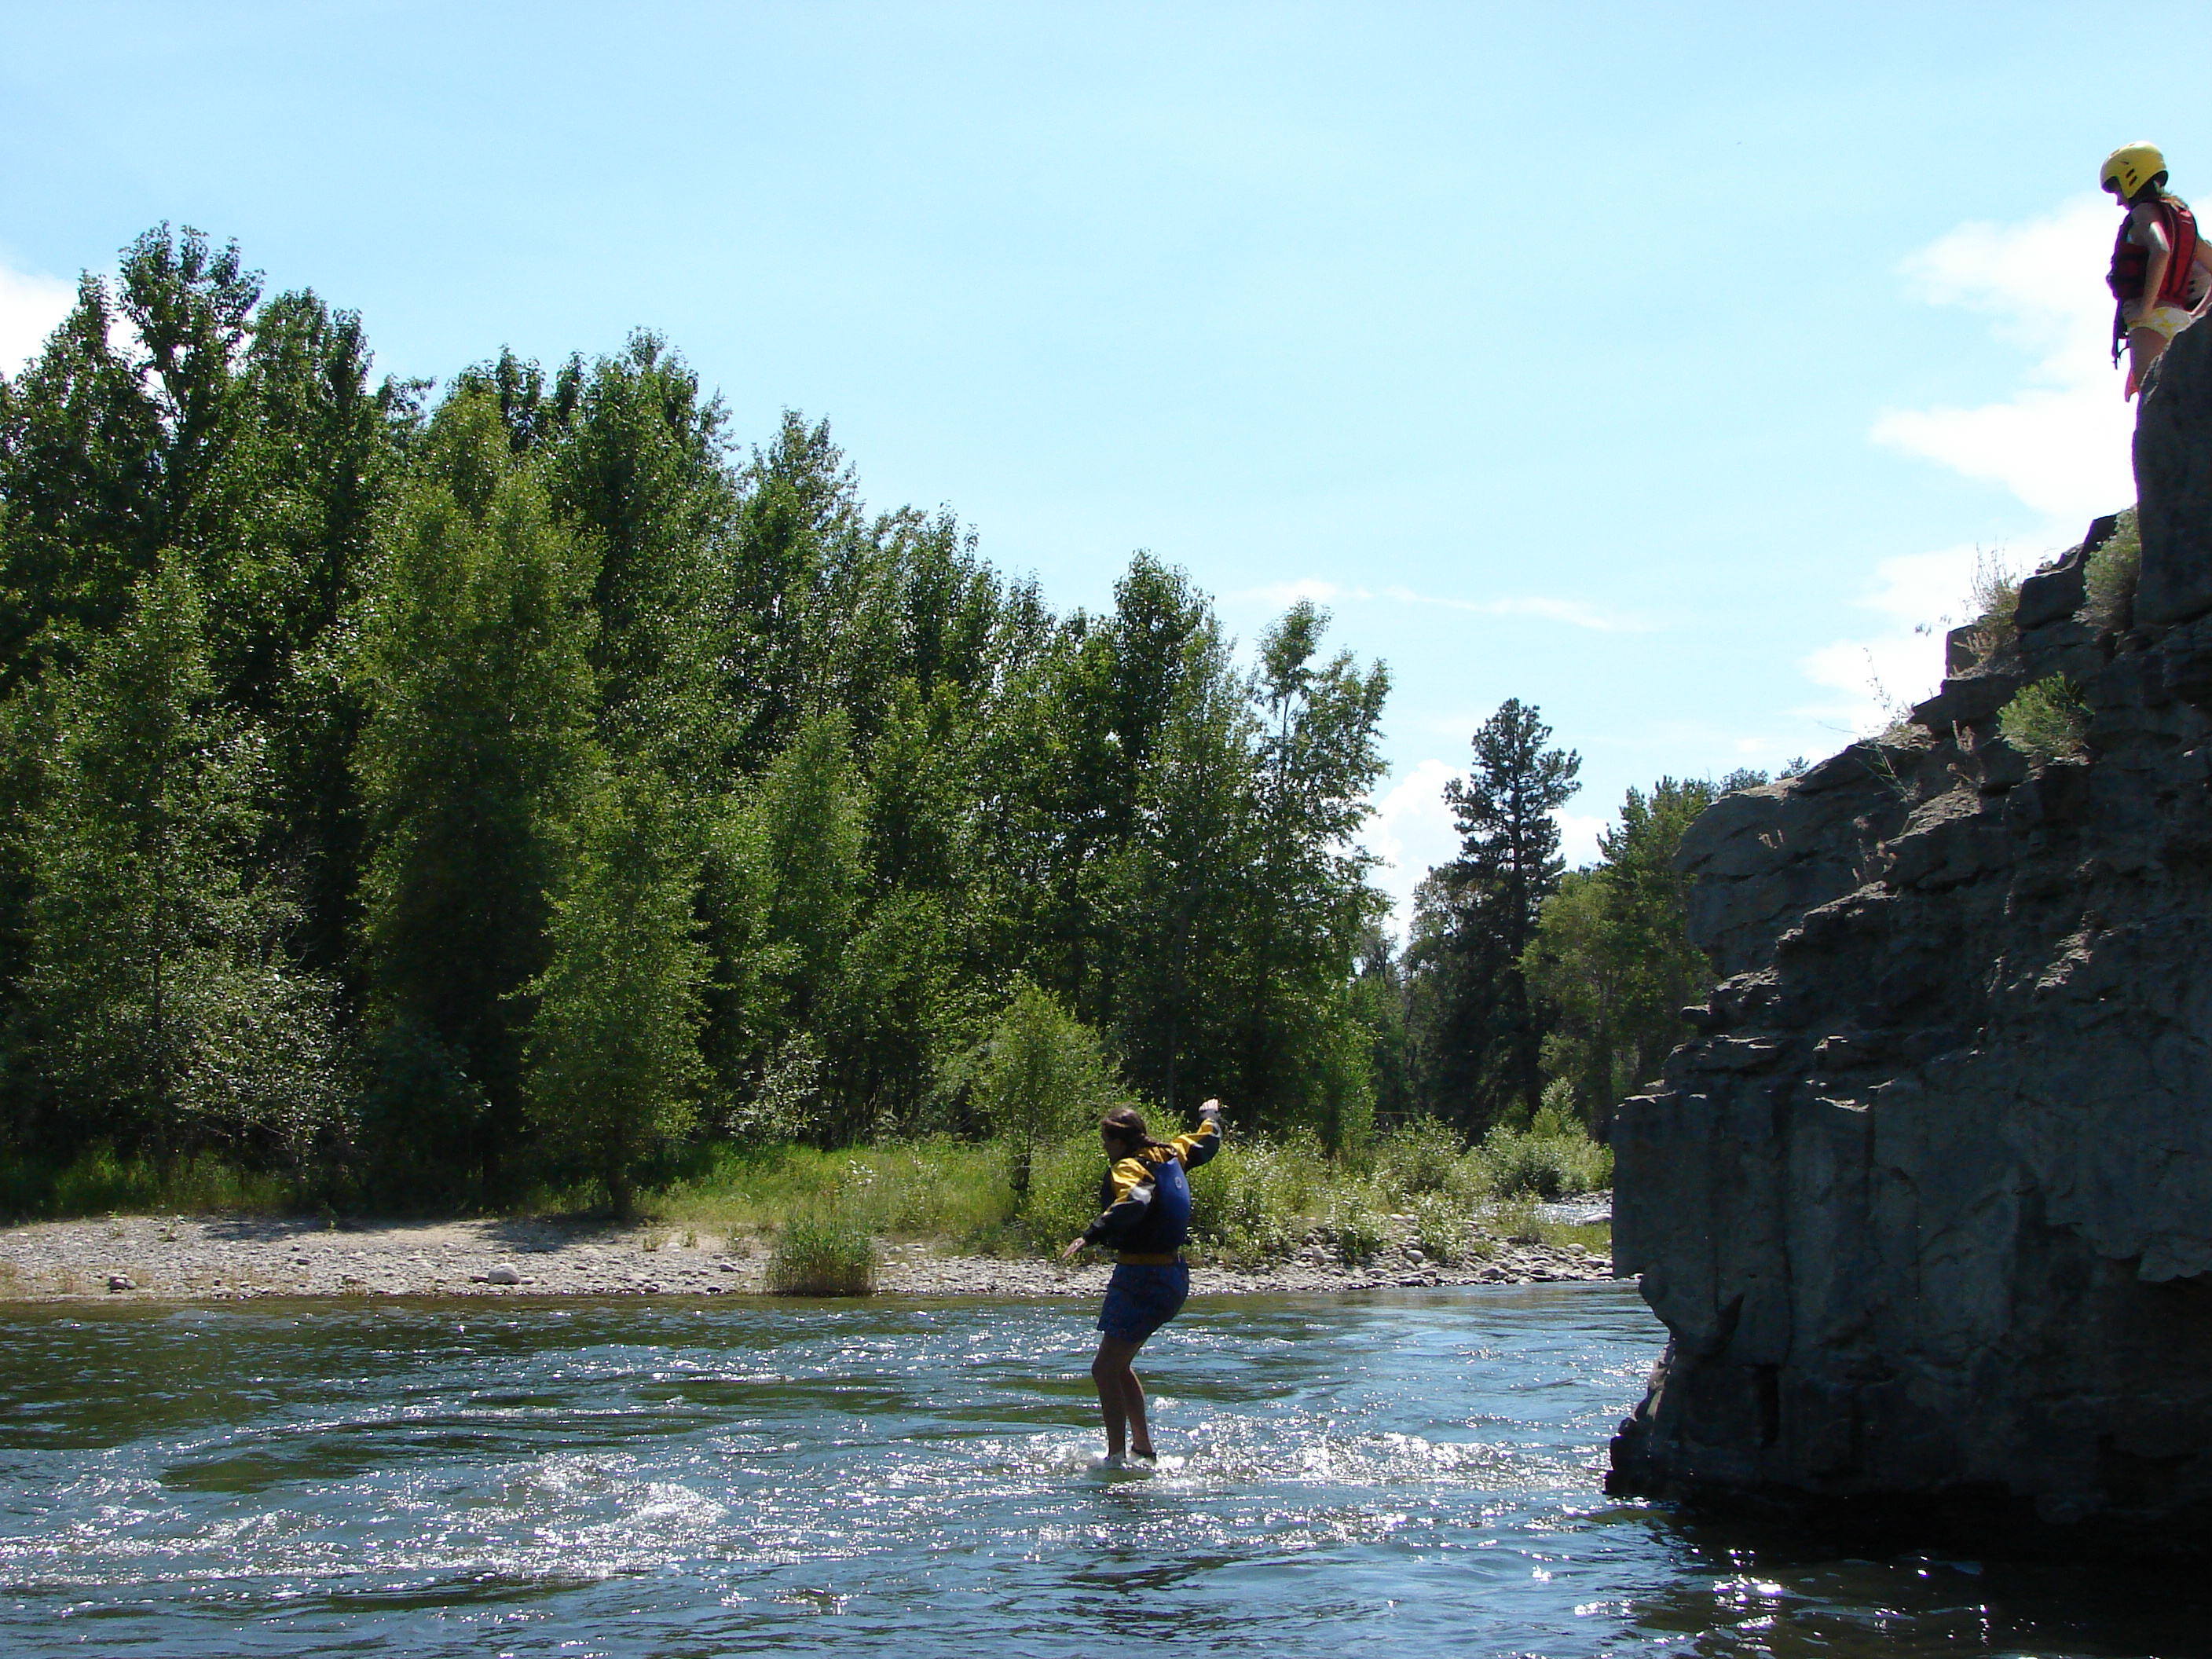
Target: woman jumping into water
(1145, 1204)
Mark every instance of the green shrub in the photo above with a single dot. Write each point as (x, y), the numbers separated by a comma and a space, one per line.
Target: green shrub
(1042, 1078)
(2046, 721)
(1442, 1228)
(1545, 1160)
(1995, 592)
(1519, 1222)
(816, 1257)
(2111, 576)
(1424, 1157)
(1252, 1201)
(98, 1182)
(940, 1186)
(1356, 1228)
(786, 1105)
(1063, 1191)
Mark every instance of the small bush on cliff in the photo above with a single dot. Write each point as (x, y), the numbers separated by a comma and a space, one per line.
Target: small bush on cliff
(2111, 576)
(1994, 591)
(2046, 721)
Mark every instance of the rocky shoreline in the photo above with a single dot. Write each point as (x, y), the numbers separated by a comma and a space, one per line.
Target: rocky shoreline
(221, 1259)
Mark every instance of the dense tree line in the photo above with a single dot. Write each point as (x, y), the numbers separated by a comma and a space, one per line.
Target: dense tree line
(430, 795)
(428, 787)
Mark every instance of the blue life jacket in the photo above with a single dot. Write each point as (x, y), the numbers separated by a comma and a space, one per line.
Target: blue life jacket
(1165, 1225)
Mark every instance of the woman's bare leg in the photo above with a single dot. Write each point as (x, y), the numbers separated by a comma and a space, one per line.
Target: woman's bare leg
(1121, 1397)
(2145, 347)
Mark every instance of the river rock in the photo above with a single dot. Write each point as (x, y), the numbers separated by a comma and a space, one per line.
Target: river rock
(1926, 1205)
(502, 1273)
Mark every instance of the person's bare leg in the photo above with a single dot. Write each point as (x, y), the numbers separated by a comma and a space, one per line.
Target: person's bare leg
(1133, 1405)
(1121, 1397)
(2145, 347)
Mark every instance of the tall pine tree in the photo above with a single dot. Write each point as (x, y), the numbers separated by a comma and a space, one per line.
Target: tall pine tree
(1479, 1029)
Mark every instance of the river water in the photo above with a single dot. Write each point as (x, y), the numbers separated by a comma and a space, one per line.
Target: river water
(1412, 1473)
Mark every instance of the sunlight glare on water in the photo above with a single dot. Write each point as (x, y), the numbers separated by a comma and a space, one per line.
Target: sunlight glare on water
(1416, 1473)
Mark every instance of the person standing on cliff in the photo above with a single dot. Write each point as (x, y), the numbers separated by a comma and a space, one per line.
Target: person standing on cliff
(1145, 1213)
(2161, 270)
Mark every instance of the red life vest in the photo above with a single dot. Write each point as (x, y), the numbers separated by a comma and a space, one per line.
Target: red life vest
(2131, 260)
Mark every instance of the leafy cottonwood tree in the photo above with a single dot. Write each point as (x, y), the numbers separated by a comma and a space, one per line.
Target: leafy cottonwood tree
(170, 1014)
(1043, 1078)
(476, 752)
(612, 1059)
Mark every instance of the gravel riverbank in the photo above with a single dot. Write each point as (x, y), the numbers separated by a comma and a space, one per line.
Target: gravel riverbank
(241, 1258)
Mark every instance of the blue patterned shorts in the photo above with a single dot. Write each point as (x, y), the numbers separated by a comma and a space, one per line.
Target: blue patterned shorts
(1141, 1297)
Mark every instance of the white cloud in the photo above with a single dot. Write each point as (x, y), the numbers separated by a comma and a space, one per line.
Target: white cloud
(1578, 836)
(1412, 832)
(2061, 442)
(1573, 612)
(31, 309)
(1312, 588)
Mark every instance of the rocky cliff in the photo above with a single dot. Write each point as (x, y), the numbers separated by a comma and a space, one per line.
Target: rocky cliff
(1927, 1207)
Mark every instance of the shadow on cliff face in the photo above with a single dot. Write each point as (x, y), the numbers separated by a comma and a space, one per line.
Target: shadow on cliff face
(1927, 1207)
(1780, 1587)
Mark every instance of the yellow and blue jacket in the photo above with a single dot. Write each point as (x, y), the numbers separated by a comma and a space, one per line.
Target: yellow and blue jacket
(1144, 1201)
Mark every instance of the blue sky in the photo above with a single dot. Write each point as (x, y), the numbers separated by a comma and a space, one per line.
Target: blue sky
(1660, 366)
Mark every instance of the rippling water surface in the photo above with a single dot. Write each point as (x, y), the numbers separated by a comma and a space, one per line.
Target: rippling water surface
(1413, 1473)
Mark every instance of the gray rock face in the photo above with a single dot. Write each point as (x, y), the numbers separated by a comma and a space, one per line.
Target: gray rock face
(1927, 1207)
(2173, 434)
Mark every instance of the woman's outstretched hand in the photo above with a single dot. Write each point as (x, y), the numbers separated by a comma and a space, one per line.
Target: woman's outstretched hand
(1068, 1254)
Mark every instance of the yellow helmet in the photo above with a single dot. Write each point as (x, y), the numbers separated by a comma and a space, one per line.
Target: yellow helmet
(2132, 165)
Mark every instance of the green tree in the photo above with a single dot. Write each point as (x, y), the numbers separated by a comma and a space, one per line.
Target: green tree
(812, 832)
(612, 1057)
(1043, 1078)
(1610, 954)
(1378, 1004)
(476, 750)
(321, 452)
(637, 466)
(1479, 1031)
(172, 1016)
(114, 456)
(1317, 758)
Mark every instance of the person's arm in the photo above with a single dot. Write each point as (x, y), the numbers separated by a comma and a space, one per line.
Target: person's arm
(1200, 1146)
(1133, 1192)
(2152, 234)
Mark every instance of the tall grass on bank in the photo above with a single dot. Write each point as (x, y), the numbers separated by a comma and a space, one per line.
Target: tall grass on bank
(816, 1257)
(98, 1182)
(937, 1189)
(1260, 1200)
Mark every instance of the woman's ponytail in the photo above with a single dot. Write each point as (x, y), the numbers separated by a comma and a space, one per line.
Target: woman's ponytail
(1126, 1124)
